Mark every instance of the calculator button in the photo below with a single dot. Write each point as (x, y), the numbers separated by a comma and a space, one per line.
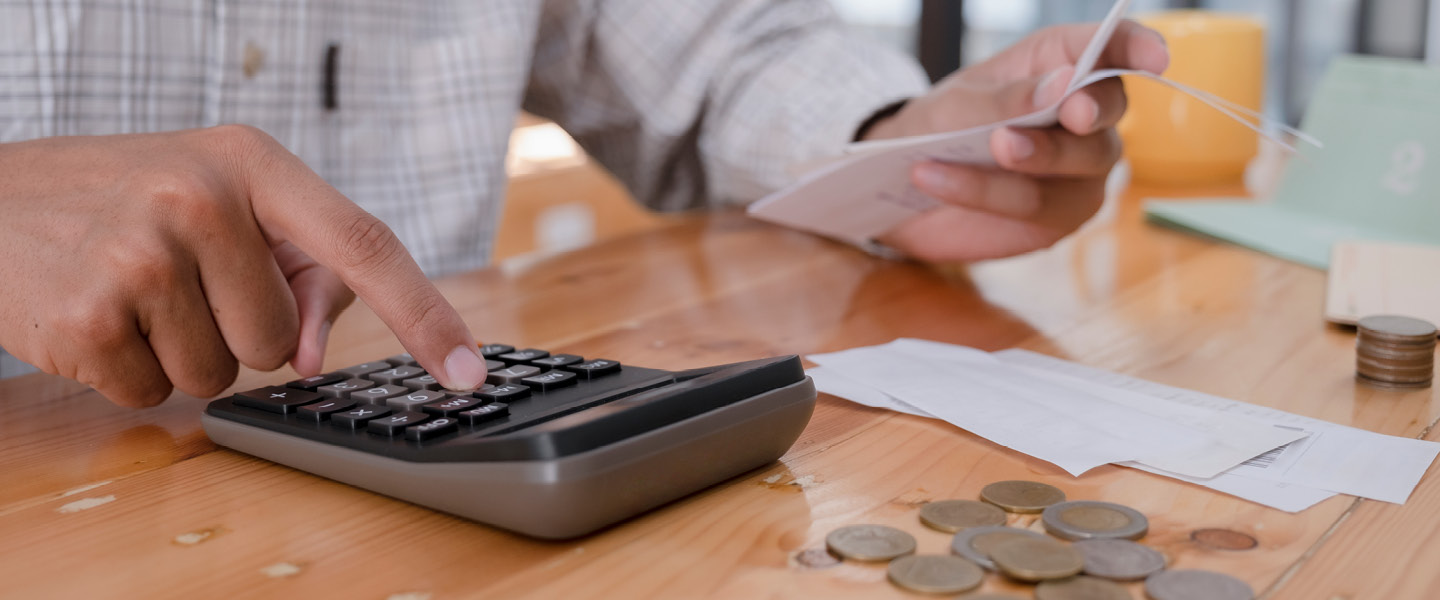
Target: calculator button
(378, 394)
(481, 414)
(395, 424)
(278, 400)
(403, 360)
(494, 350)
(413, 400)
(493, 365)
(557, 360)
(364, 369)
(310, 384)
(423, 382)
(432, 429)
(505, 392)
(345, 388)
(594, 368)
(321, 411)
(521, 356)
(357, 417)
(550, 381)
(395, 374)
(512, 374)
(450, 406)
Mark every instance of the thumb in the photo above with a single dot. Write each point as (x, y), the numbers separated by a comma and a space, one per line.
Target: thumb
(1024, 96)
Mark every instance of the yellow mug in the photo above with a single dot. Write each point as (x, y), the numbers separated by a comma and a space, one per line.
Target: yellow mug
(1172, 139)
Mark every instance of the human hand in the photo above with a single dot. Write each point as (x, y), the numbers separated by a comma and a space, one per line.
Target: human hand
(136, 264)
(1049, 181)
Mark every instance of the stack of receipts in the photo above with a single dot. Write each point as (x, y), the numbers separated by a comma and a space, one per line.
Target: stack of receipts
(1079, 418)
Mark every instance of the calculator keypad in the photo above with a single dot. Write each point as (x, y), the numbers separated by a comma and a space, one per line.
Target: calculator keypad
(396, 423)
(357, 417)
(345, 388)
(395, 398)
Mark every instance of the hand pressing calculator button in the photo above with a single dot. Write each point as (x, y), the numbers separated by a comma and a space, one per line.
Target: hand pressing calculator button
(554, 446)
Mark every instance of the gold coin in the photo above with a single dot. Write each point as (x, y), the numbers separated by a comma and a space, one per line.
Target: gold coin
(1025, 497)
(1081, 588)
(952, 516)
(869, 542)
(935, 574)
(1037, 559)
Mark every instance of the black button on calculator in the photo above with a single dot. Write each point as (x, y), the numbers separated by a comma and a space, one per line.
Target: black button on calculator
(556, 446)
(280, 400)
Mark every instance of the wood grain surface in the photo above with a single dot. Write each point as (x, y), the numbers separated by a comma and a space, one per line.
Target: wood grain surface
(100, 501)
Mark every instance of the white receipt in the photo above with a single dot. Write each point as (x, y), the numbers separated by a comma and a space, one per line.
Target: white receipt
(1079, 417)
(1076, 425)
(867, 191)
(1334, 458)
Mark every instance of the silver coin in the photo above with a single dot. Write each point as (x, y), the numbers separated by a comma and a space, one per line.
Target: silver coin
(1121, 560)
(1194, 584)
(975, 543)
(1397, 328)
(1089, 520)
(1081, 587)
(870, 542)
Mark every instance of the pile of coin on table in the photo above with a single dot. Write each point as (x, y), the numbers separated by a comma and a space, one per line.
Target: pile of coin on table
(1089, 549)
(1394, 352)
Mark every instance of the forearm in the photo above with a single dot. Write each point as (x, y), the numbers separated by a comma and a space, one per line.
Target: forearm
(697, 102)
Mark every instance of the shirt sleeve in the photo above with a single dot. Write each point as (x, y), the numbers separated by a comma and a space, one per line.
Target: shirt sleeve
(703, 102)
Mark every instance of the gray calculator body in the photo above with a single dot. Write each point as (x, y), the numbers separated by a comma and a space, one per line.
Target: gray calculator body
(561, 463)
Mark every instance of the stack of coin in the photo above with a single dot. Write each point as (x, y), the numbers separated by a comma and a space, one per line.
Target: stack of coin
(1395, 352)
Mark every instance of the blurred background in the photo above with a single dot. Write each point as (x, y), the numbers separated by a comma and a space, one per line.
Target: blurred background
(1302, 36)
(560, 199)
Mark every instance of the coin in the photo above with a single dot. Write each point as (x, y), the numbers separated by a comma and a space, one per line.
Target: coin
(951, 516)
(935, 574)
(1396, 328)
(1088, 520)
(1037, 559)
(1023, 497)
(975, 543)
(1121, 560)
(1390, 385)
(869, 542)
(1194, 584)
(1080, 588)
(1223, 539)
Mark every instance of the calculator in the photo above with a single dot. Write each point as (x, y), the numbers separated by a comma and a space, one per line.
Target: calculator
(553, 446)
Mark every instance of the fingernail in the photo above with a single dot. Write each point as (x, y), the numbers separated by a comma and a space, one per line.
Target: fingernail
(1092, 110)
(1051, 89)
(1021, 146)
(464, 369)
(932, 178)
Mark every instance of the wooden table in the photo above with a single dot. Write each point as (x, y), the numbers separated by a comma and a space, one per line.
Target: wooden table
(100, 501)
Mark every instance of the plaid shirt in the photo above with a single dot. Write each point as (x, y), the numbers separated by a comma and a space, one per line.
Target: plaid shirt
(689, 102)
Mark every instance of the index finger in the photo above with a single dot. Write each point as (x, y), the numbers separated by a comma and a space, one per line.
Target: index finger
(291, 203)
(1131, 46)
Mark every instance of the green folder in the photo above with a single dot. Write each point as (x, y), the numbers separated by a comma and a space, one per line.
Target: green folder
(1377, 177)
